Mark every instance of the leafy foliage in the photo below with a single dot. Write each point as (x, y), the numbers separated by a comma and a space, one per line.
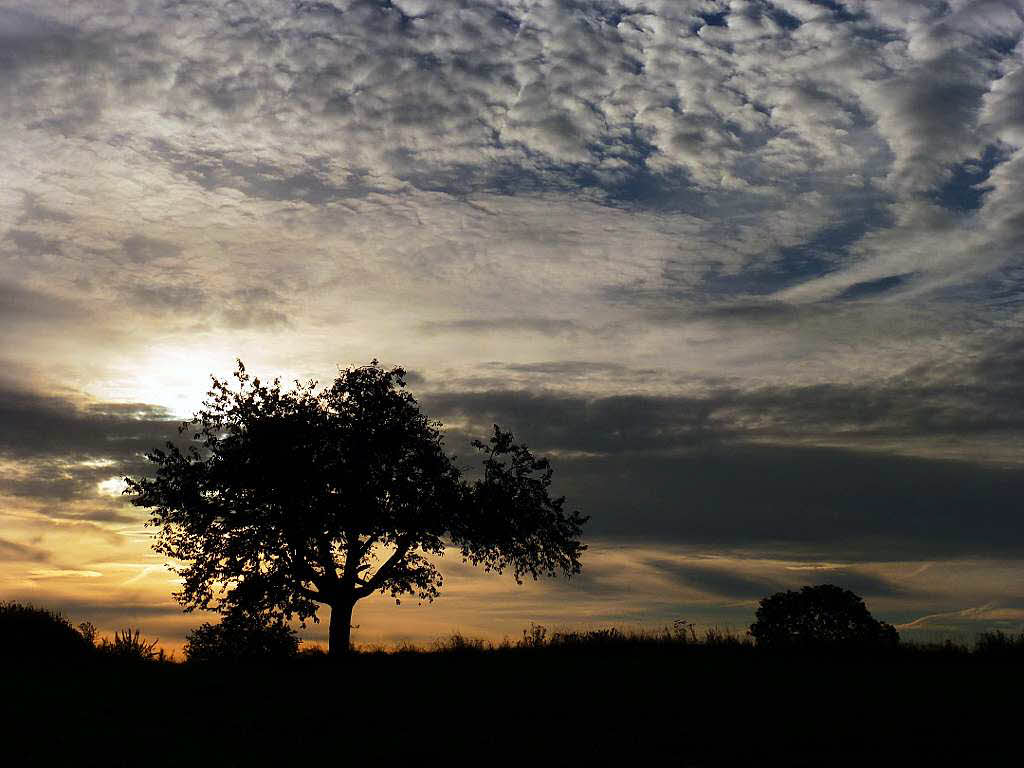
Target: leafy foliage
(286, 500)
(129, 645)
(88, 631)
(241, 637)
(821, 616)
(511, 520)
(30, 632)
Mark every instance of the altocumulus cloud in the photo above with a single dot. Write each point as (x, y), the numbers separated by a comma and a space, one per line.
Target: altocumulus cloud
(806, 139)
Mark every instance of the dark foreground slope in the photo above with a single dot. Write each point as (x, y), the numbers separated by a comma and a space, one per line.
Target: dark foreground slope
(696, 706)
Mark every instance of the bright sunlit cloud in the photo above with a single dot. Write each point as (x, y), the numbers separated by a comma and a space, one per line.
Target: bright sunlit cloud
(113, 486)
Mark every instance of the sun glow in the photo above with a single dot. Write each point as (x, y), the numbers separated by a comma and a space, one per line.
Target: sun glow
(176, 374)
(112, 486)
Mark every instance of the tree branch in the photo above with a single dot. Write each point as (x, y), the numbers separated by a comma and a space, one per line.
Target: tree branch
(365, 547)
(374, 583)
(327, 560)
(316, 597)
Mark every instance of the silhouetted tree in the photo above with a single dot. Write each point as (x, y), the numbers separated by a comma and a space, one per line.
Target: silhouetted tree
(30, 632)
(825, 615)
(242, 637)
(286, 500)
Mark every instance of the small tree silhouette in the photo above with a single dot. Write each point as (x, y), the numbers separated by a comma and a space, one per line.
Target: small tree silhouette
(821, 616)
(289, 500)
(241, 637)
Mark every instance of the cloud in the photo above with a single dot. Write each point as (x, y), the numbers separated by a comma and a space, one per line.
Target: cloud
(39, 426)
(21, 306)
(720, 582)
(141, 249)
(734, 578)
(789, 153)
(1004, 614)
(12, 550)
(973, 397)
(60, 573)
(540, 325)
(804, 469)
(873, 287)
(37, 212)
(57, 452)
(723, 466)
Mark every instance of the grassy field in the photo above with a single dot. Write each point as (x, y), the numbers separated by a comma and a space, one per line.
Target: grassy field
(600, 698)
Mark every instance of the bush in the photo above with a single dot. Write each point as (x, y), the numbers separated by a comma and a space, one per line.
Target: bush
(30, 632)
(998, 643)
(241, 637)
(819, 617)
(128, 645)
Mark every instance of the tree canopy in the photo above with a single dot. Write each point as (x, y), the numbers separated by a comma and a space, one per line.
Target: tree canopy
(283, 501)
(820, 616)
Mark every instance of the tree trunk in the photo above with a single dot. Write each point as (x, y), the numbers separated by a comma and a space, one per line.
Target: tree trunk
(339, 641)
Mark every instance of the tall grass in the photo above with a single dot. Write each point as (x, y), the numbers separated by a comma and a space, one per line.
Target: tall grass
(537, 638)
(684, 637)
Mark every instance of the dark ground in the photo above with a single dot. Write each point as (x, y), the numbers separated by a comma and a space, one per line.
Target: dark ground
(696, 706)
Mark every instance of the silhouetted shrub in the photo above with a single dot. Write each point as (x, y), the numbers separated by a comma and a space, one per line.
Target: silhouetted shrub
(313, 652)
(715, 637)
(998, 643)
(458, 643)
(30, 632)
(589, 639)
(534, 637)
(129, 645)
(87, 630)
(819, 617)
(683, 631)
(241, 637)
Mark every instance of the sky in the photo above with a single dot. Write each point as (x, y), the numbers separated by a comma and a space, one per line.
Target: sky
(749, 272)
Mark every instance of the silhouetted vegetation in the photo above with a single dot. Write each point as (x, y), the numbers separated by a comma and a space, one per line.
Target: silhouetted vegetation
(38, 633)
(286, 501)
(1000, 645)
(676, 695)
(242, 637)
(28, 632)
(614, 640)
(129, 645)
(820, 617)
(245, 637)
